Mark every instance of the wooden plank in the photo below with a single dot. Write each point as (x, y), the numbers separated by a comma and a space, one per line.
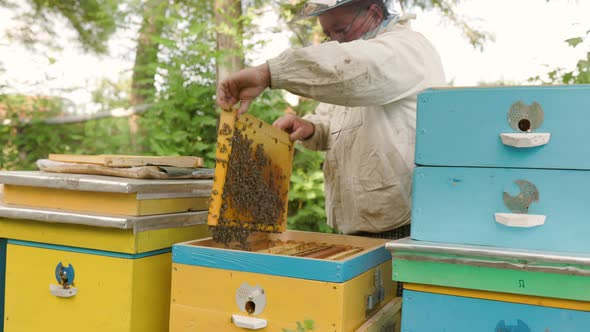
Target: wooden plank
(386, 319)
(336, 239)
(136, 172)
(344, 254)
(324, 251)
(129, 161)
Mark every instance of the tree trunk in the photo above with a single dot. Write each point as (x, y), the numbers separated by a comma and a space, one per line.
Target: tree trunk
(227, 14)
(146, 59)
(146, 54)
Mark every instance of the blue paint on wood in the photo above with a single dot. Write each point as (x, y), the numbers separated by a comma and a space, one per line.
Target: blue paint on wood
(437, 313)
(457, 205)
(89, 251)
(461, 127)
(285, 266)
(65, 275)
(2, 280)
(519, 327)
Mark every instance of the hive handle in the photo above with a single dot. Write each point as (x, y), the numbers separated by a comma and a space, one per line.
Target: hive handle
(525, 140)
(60, 291)
(250, 323)
(520, 220)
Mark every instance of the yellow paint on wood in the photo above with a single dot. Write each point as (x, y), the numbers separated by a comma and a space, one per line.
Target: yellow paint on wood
(129, 161)
(151, 294)
(227, 121)
(103, 302)
(166, 237)
(99, 202)
(386, 319)
(276, 146)
(114, 294)
(204, 299)
(504, 297)
(99, 238)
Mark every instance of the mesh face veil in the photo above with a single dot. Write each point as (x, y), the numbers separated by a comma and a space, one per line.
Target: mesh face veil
(317, 7)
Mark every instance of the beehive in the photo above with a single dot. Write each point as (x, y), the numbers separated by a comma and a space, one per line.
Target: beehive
(68, 270)
(498, 212)
(336, 281)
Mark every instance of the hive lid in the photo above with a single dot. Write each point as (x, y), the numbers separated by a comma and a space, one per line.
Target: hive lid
(84, 182)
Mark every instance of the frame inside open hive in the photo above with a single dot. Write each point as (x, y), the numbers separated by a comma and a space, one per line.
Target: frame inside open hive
(299, 244)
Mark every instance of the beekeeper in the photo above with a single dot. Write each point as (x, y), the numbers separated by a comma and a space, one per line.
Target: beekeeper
(367, 75)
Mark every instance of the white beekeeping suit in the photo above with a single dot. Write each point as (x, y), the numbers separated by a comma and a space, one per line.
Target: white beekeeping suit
(367, 119)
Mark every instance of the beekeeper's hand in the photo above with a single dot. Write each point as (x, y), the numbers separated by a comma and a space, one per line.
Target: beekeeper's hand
(243, 87)
(298, 128)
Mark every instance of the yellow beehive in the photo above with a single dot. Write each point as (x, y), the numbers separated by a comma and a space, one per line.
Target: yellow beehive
(91, 272)
(334, 282)
(116, 277)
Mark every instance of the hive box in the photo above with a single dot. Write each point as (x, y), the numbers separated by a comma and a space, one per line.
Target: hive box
(104, 194)
(430, 311)
(336, 284)
(516, 127)
(502, 270)
(91, 272)
(468, 205)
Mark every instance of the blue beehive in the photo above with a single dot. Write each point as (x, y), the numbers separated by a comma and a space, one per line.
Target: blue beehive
(499, 211)
(516, 167)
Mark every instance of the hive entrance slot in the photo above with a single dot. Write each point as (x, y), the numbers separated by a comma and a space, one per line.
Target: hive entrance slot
(524, 125)
(250, 307)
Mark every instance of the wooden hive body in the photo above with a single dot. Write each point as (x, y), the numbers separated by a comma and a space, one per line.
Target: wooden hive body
(331, 282)
(68, 270)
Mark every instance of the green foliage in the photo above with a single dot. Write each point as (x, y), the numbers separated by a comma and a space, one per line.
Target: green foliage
(93, 20)
(182, 119)
(25, 137)
(307, 325)
(579, 75)
(110, 95)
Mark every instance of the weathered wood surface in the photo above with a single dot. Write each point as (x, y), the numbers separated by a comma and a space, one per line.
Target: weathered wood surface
(129, 161)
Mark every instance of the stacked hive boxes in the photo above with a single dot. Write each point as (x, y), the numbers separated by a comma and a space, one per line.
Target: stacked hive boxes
(500, 215)
(92, 253)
